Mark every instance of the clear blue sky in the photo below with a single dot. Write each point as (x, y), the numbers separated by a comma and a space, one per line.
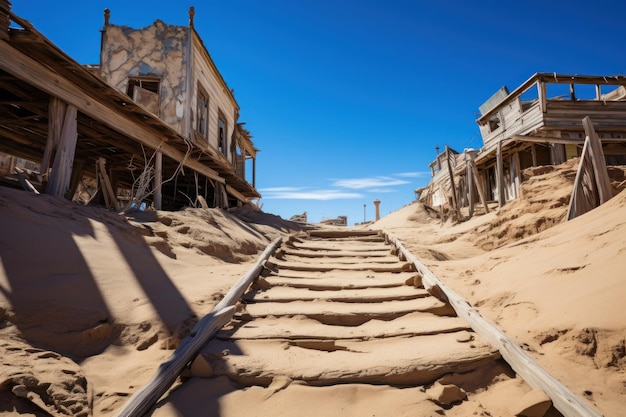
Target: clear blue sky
(347, 99)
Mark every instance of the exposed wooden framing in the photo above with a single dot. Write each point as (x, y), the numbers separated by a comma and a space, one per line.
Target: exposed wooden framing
(599, 164)
(480, 186)
(533, 153)
(541, 87)
(534, 375)
(29, 70)
(455, 204)
(500, 175)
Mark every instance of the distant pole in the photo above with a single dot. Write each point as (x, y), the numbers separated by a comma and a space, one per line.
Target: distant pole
(364, 205)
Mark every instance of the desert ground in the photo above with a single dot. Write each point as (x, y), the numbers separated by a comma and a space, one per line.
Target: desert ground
(92, 301)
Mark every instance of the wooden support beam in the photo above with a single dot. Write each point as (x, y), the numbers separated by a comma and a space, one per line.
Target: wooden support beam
(25, 68)
(469, 185)
(599, 164)
(500, 175)
(140, 403)
(531, 372)
(455, 203)
(110, 198)
(62, 137)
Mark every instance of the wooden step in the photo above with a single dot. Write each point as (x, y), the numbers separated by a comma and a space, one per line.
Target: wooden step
(411, 324)
(358, 266)
(340, 279)
(287, 294)
(348, 314)
(343, 233)
(396, 361)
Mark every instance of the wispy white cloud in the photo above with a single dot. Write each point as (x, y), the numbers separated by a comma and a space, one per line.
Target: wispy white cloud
(362, 183)
(419, 174)
(291, 193)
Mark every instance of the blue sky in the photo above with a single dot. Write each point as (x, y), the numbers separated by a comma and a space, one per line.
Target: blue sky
(347, 99)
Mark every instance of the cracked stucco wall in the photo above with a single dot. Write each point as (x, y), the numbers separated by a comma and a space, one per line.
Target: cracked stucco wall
(158, 50)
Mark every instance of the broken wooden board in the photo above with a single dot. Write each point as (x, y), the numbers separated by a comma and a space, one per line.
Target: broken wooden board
(412, 324)
(397, 360)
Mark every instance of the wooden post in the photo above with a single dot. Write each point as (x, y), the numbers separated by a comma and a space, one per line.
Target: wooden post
(455, 204)
(77, 176)
(500, 175)
(599, 164)
(533, 152)
(515, 174)
(104, 183)
(62, 137)
(470, 183)
(477, 180)
(158, 178)
(5, 22)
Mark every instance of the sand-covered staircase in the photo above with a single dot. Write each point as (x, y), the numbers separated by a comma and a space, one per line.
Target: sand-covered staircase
(340, 307)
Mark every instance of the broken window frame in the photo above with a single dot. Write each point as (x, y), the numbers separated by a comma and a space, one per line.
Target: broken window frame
(222, 137)
(202, 113)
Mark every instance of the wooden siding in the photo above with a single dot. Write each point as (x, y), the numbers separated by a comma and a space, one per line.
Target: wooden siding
(221, 101)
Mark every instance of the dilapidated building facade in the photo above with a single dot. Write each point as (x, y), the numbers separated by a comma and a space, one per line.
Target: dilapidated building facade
(539, 123)
(154, 122)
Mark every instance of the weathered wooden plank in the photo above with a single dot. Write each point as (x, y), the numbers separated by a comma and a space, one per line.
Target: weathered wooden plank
(235, 293)
(331, 312)
(400, 360)
(287, 294)
(599, 164)
(339, 233)
(412, 324)
(141, 402)
(374, 266)
(563, 399)
(307, 253)
(500, 175)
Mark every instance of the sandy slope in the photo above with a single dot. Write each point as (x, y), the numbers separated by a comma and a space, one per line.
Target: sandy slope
(90, 302)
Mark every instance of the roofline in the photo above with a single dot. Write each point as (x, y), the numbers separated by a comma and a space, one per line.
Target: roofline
(555, 78)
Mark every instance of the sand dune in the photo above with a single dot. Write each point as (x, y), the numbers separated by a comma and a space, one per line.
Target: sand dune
(91, 302)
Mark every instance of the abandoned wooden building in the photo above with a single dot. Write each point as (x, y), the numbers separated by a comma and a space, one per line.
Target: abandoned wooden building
(539, 123)
(153, 123)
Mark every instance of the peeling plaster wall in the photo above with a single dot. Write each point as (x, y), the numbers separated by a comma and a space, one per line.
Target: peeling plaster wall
(159, 50)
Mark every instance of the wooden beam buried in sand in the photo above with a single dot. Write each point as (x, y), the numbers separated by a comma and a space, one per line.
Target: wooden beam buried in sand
(592, 186)
(141, 402)
(562, 398)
